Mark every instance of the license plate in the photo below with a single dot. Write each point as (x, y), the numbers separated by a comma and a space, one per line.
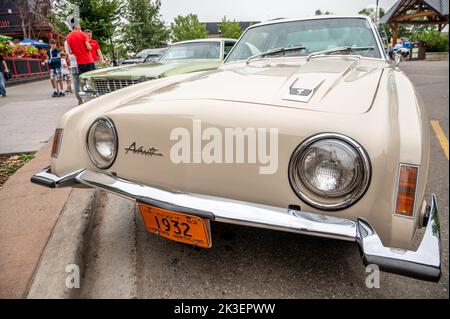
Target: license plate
(180, 227)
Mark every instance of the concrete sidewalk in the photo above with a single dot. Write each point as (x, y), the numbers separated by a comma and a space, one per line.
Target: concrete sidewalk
(28, 214)
(29, 115)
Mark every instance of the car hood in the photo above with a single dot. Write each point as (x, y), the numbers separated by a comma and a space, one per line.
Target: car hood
(329, 84)
(153, 70)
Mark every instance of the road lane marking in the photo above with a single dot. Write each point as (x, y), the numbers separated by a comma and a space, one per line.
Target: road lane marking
(440, 136)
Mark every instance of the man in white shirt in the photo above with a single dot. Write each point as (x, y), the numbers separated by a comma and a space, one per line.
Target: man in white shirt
(74, 71)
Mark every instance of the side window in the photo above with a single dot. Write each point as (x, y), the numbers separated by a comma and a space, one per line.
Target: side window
(227, 47)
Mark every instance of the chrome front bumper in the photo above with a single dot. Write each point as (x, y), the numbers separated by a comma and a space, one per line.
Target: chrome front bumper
(424, 264)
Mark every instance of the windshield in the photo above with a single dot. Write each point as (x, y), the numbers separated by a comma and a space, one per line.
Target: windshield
(152, 57)
(193, 50)
(315, 35)
(142, 54)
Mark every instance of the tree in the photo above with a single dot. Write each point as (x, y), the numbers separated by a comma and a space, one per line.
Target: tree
(100, 16)
(384, 29)
(370, 12)
(230, 29)
(32, 13)
(59, 17)
(434, 40)
(320, 12)
(145, 28)
(187, 28)
(423, 28)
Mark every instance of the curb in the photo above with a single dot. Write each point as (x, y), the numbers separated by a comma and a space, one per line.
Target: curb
(28, 215)
(66, 246)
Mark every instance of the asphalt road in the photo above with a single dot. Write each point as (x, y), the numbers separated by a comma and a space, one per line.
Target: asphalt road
(124, 260)
(29, 115)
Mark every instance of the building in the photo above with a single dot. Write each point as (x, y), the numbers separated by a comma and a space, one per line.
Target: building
(19, 20)
(417, 12)
(213, 27)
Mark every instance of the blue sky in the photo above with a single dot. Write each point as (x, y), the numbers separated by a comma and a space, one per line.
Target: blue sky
(260, 10)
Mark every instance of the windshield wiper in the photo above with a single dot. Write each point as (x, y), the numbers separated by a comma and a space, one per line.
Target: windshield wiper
(339, 49)
(275, 51)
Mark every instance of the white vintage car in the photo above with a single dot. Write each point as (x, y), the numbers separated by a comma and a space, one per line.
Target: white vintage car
(307, 127)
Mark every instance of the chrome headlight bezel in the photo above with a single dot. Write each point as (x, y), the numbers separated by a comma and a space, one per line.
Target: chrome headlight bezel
(86, 85)
(96, 157)
(321, 200)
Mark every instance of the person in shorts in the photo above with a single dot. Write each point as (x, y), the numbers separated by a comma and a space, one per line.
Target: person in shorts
(66, 74)
(54, 64)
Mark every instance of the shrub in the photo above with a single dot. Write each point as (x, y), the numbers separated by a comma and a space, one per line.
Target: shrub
(434, 40)
(31, 50)
(18, 49)
(5, 48)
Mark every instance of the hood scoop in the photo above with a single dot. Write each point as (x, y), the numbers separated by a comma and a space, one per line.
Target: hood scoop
(317, 83)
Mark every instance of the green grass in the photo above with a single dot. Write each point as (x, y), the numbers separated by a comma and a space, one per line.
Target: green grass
(23, 159)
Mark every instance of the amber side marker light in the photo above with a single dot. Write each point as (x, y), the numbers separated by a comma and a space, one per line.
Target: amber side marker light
(57, 139)
(406, 193)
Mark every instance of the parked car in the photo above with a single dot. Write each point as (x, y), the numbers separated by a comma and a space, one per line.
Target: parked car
(350, 135)
(181, 57)
(147, 55)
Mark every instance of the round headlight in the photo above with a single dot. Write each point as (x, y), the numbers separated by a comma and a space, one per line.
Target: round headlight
(329, 171)
(102, 143)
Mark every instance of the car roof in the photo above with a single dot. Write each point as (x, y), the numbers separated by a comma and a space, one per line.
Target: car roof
(206, 40)
(326, 16)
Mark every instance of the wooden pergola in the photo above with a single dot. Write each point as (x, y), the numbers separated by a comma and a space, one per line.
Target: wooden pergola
(417, 12)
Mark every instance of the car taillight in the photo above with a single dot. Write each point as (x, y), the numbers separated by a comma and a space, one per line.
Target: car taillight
(406, 193)
(57, 139)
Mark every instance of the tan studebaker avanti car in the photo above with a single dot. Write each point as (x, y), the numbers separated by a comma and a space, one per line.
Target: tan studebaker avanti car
(307, 127)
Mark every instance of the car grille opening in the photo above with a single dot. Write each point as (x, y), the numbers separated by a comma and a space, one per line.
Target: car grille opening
(104, 86)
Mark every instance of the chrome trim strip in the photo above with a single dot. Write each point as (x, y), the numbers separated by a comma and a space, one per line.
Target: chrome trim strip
(378, 39)
(341, 56)
(424, 264)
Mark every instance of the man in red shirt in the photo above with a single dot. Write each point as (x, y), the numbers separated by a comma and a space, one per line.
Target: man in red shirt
(78, 43)
(95, 51)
